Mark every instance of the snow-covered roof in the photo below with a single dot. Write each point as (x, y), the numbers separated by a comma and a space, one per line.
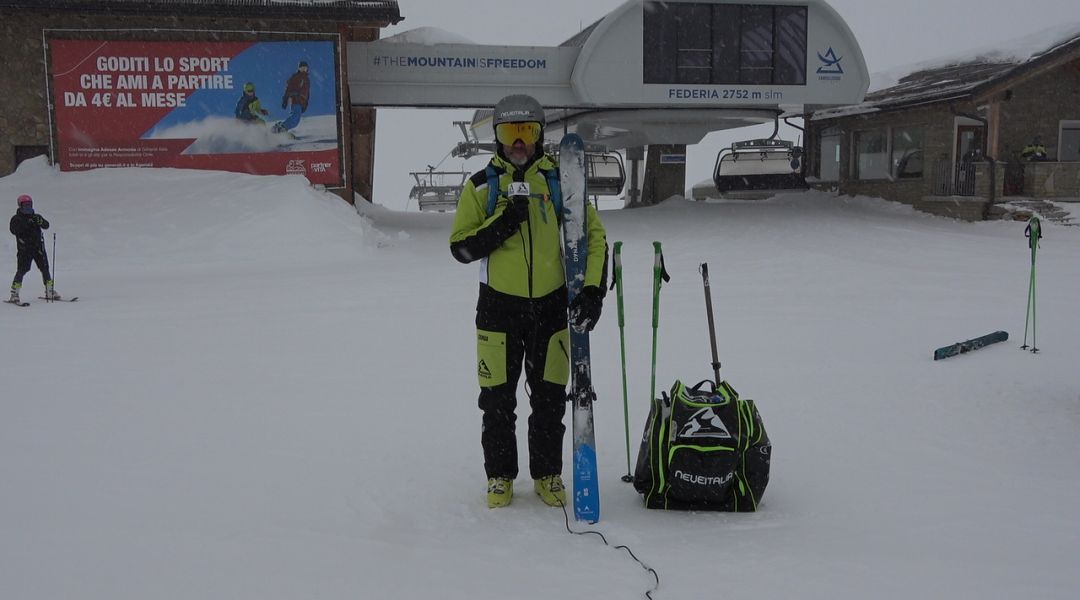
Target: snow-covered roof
(956, 76)
(381, 11)
(428, 36)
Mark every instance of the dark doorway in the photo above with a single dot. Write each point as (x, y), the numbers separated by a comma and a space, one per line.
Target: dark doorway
(27, 152)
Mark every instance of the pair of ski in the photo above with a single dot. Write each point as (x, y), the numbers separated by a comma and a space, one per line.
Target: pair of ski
(25, 304)
(575, 203)
(572, 176)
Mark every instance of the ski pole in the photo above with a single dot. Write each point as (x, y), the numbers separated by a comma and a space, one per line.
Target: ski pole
(617, 284)
(50, 265)
(659, 274)
(1034, 233)
(712, 327)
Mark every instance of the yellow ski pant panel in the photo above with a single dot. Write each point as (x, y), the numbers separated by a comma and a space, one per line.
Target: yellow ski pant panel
(490, 358)
(557, 361)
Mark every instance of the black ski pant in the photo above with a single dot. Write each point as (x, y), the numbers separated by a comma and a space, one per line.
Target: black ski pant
(32, 255)
(536, 338)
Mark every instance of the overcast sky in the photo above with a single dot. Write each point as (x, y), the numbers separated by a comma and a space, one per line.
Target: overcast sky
(891, 34)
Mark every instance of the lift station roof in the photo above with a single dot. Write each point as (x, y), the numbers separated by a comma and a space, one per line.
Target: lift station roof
(649, 72)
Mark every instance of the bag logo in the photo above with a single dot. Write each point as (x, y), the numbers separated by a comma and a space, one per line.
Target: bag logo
(484, 371)
(704, 424)
(518, 188)
(703, 479)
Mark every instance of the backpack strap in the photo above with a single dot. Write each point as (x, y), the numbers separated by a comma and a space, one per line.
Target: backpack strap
(493, 187)
(554, 190)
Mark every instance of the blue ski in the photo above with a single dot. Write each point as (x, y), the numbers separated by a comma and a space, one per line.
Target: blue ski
(575, 253)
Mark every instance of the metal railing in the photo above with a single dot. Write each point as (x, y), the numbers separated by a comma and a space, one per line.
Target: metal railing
(953, 179)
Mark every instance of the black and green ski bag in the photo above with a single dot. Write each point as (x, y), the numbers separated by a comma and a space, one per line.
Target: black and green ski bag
(704, 448)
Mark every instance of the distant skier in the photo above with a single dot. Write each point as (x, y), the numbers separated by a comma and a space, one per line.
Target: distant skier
(248, 107)
(1035, 151)
(26, 226)
(295, 98)
(521, 315)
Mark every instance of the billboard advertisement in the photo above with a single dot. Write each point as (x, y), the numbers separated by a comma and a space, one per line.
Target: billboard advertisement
(267, 108)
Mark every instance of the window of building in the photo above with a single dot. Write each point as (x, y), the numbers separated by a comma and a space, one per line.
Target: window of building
(724, 43)
(1069, 141)
(871, 154)
(907, 152)
(829, 154)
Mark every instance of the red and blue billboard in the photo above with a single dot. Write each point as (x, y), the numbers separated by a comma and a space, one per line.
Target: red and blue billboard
(267, 108)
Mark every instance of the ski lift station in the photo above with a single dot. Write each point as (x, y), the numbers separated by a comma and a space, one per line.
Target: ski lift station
(651, 74)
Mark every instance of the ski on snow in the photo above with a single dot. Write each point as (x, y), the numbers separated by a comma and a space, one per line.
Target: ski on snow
(17, 303)
(586, 486)
(58, 299)
(970, 345)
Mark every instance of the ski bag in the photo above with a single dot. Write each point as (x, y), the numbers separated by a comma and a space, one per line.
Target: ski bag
(704, 448)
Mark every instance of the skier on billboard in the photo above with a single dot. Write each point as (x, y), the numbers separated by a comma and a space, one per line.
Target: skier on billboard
(248, 107)
(26, 226)
(295, 98)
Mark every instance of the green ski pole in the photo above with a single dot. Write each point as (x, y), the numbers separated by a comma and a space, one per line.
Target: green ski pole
(618, 285)
(1034, 233)
(659, 274)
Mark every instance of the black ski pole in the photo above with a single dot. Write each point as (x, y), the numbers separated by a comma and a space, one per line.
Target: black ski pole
(53, 264)
(712, 328)
(1034, 233)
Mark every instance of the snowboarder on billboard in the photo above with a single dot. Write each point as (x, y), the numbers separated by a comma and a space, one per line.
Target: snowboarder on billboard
(248, 107)
(521, 314)
(295, 98)
(27, 228)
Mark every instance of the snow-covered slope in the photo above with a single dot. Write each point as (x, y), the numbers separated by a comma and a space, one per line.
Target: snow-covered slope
(262, 394)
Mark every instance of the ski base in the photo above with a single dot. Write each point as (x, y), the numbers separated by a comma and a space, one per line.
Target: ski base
(586, 488)
(76, 298)
(970, 345)
(24, 304)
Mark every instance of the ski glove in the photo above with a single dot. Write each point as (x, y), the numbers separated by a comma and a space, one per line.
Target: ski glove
(585, 309)
(517, 209)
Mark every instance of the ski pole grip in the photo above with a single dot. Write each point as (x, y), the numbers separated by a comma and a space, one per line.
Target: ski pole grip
(617, 284)
(658, 262)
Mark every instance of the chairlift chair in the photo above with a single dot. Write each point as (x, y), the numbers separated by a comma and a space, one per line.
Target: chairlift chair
(437, 191)
(753, 169)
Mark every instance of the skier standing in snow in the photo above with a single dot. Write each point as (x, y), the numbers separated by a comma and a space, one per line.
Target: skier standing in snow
(295, 98)
(1035, 151)
(522, 313)
(248, 107)
(26, 226)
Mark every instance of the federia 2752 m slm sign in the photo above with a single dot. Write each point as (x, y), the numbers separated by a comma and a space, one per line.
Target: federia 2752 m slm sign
(268, 108)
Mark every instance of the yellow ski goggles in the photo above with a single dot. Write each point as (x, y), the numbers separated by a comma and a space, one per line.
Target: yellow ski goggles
(508, 133)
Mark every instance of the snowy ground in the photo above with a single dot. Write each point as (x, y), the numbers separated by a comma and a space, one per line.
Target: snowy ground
(263, 395)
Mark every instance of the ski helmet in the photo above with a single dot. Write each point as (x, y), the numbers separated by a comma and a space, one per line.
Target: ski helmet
(249, 87)
(25, 200)
(516, 108)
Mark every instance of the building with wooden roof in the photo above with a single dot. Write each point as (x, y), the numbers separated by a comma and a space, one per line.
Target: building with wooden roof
(950, 138)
